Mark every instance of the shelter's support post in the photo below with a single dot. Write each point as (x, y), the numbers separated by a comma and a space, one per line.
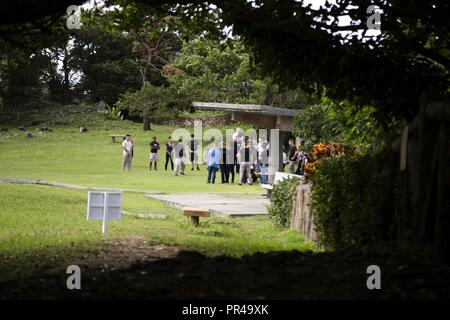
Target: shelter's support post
(275, 153)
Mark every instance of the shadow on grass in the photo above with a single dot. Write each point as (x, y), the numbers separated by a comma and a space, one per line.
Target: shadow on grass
(275, 275)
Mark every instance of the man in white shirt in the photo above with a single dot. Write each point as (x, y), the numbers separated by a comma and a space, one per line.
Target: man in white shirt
(127, 147)
(238, 135)
(180, 157)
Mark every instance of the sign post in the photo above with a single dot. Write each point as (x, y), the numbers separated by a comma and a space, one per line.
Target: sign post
(104, 206)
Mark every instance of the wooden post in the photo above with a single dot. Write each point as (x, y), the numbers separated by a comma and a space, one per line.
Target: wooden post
(302, 216)
(428, 187)
(194, 214)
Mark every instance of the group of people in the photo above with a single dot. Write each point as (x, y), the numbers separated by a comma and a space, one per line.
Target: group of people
(246, 159)
(242, 157)
(173, 150)
(296, 157)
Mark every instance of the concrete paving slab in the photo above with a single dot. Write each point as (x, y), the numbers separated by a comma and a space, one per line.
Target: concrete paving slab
(223, 205)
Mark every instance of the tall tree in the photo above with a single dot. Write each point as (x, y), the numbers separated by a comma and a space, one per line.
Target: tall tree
(308, 47)
(104, 62)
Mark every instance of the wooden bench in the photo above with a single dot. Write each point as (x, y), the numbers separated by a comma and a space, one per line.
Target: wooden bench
(279, 176)
(194, 214)
(114, 136)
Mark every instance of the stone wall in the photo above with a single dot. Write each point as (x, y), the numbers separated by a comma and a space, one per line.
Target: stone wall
(302, 218)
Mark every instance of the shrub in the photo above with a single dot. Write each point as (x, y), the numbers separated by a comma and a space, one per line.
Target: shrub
(317, 123)
(343, 123)
(152, 102)
(112, 113)
(353, 199)
(281, 201)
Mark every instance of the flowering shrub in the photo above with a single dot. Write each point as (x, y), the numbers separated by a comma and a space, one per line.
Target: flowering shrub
(321, 150)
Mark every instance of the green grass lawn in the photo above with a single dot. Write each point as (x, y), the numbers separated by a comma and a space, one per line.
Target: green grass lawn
(91, 159)
(46, 226)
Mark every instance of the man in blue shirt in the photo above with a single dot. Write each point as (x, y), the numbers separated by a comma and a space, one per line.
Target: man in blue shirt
(213, 160)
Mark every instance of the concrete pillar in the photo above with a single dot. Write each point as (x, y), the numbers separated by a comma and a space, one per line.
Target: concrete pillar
(275, 153)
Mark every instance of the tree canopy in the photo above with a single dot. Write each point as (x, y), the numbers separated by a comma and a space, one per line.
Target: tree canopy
(303, 46)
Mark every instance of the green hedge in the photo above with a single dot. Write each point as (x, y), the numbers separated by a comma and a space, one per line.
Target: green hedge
(354, 200)
(281, 201)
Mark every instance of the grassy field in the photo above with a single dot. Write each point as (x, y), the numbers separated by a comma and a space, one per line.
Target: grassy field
(46, 226)
(42, 227)
(91, 159)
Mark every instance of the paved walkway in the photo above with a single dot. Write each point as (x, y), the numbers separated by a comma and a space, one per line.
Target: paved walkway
(224, 205)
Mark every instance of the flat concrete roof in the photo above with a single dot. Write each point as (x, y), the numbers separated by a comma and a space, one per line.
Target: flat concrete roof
(250, 108)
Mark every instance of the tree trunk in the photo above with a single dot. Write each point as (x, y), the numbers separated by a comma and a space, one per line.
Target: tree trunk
(146, 124)
(66, 82)
(268, 99)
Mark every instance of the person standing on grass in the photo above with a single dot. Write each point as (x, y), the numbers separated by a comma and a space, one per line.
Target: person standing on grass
(246, 159)
(238, 135)
(236, 148)
(179, 157)
(263, 158)
(292, 156)
(224, 172)
(213, 160)
(127, 152)
(154, 147)
(302, 161)
(233, 161)
(169, 149)
(254, 159)
(193, 144)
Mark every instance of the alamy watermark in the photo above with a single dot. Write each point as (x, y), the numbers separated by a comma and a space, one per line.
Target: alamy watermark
(231, 139)
(74, 280)
(374, 20)
(374, 280)
(74, 17)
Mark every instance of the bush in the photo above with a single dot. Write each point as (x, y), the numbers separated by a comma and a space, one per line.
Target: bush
(343, 123)
(317, 123)
(281, 201)
(353, 200)
(112, 113)
(152, 102)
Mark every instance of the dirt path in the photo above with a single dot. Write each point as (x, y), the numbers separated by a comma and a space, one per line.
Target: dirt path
(122, 253)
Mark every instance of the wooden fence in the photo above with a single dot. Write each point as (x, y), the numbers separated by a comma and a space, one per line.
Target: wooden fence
(302, 218)
(425, 163)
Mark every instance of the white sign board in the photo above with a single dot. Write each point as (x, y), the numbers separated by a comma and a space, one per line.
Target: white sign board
(104, 206)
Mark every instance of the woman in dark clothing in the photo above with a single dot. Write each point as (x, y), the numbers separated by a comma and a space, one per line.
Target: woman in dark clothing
(194, 143)
(236, 148)
(225, 174)
(169, 149)
(231, 166)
